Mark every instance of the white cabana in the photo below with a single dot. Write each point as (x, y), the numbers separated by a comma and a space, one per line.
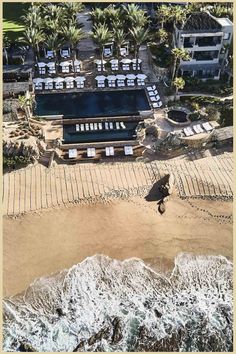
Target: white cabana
(69, 82)
(52, 67)
(49, 54)
(100, 80)
(72, 153)
(77, 65)
(141, 79)
(65, 53)
(134, 63)
(80, 81)
(98, 62)
(59, 82)
(91, 152)
(109, 151)
(111, 80)
(48, 83)
(114, 64)
(42, 68)
(38, 83)
(126, 64)
(128, 150)
(130, 79)
(65, 65)
(121, 80)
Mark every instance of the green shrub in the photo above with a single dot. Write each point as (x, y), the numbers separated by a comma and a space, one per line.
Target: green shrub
(194, 116)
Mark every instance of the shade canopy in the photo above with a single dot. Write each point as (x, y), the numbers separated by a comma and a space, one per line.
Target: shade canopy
(69, 79)
(126, 61)
(131, 76)
(38, 80)
(111, 77)
(51, 64)
(114, 61)
(41, 65)
(135, 61)
(65, 63)
(47, 80)
(59, 79)
(98, 61)
(100, 78)
(141, 76)
(80, 78)
(121, 77)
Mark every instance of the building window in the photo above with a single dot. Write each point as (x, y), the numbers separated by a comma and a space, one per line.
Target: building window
(227, 36)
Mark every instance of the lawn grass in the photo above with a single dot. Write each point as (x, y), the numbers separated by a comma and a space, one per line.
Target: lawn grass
(13, 26)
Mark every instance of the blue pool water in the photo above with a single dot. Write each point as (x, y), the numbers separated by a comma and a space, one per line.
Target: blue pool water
(92, 104)
(70, 135)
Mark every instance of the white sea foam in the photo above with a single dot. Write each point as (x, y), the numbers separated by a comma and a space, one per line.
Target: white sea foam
(58, 312)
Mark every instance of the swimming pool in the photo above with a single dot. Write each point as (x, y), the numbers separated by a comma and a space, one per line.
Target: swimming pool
(92, 104)
(70, 135)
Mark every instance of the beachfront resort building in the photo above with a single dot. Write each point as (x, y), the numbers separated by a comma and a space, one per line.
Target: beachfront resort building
(207, 39)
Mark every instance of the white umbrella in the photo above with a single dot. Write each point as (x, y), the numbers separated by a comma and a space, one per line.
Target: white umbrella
(141, 76)
(38, 80)
(41, 65)
(100, 78)
(131, 76)
(69, 79)
(98, 61)
(126, 61)
(121, 77)
(59, 79)
(111, 77)
(80, 78)
(135, 60)
(51, 64)
(114, 61)
(47, 80)
(65, 63)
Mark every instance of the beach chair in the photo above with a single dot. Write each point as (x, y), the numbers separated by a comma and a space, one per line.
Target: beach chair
(80, 84)
(42, 71)
(95, 125)
(77, 127)
(65, 69)
(39, 86)
(122, 124)
(100, 126)
(110, 125)
(106, 126)
(117, 125)
(109, 151)
(153, 99)
(86, 126)
(91, 126)
(82, 127)
(128, 150)
(50, 86)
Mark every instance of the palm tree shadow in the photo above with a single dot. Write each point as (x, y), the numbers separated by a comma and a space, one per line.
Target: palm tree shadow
(155, 193)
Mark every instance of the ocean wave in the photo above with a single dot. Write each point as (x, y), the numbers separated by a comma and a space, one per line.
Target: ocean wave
(102, 304)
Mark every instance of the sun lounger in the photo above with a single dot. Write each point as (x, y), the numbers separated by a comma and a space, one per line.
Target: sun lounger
(109, 151)
(122, 124)
(82, 127)
(91, 152)
(153, 99)
(91, 126)
(95, 126)
(207, 126)
(117, 125)
(77, 127)
(100, 126)
(86, 126)
(106, 126)
(128, 150)
(72, 153)
(114, 67)
(39, 86)
(111, 125)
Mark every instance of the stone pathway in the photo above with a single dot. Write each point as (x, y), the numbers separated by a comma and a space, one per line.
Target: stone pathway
(36, 187)
(87, 44)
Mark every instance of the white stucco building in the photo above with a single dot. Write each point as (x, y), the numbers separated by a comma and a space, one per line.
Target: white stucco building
(207, 39)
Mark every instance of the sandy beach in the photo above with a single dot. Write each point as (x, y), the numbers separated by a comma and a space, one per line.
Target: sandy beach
(45, 242)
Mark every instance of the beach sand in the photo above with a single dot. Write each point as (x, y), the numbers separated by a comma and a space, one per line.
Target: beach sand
(38, 244)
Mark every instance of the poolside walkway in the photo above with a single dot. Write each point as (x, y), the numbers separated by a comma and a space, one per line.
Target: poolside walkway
(36, 187)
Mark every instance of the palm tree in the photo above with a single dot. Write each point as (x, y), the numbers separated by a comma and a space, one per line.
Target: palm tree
(73, 35)
(139, 36)
(26, 104)
(162, 35)
(54, 43)
(179, 84)
(33, 37)
(178, 54)
(163, 14)
(135, 16)
(33, 17)
(6, 45)
(178, 14)
(111, 14)
(101, 35)
(98, 16)
(120, 39)
(71, 9)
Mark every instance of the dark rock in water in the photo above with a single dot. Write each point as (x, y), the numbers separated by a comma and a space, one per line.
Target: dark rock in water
(59, 312)
(117, 330)
(24, 347)
(157, 313)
